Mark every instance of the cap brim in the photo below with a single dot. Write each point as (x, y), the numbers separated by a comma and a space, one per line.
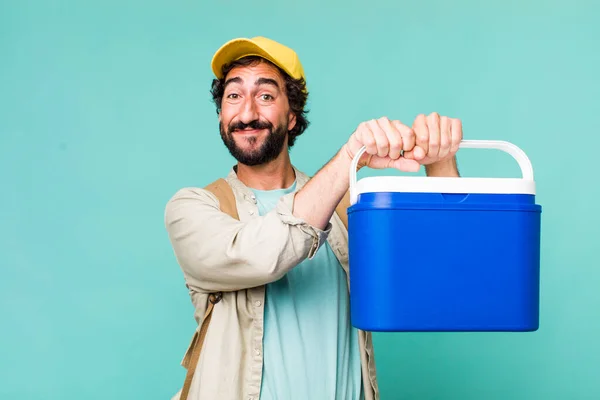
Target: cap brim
(236, 49)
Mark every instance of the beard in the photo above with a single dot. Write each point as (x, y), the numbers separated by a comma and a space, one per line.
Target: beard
(268, 151)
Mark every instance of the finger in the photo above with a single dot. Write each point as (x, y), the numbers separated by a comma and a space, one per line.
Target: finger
(382, 143)
(406, 165)
(407, 134)
(366, 137)
(433, 125)
(456, 134)
(377, 162)
(422, 138)
(402, 164)
(394, 137)
(445, 137)
(355, 144)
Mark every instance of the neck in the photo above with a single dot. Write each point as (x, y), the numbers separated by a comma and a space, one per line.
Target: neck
(276, 174)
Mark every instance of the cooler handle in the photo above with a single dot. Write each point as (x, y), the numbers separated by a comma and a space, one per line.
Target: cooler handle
(513, 150)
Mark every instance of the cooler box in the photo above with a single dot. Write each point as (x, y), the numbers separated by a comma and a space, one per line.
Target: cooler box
(445, 254)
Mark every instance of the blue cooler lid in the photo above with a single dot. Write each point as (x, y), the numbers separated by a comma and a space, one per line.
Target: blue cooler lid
(523, 188)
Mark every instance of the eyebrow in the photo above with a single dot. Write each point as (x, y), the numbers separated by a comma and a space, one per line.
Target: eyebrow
(258, 82)
(237, 79)
(267, 81)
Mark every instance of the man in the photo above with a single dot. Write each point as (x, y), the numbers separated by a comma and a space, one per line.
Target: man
(280, 326)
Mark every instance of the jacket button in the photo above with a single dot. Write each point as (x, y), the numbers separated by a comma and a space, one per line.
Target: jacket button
(257, 303)
(257, 352)
(251, 212)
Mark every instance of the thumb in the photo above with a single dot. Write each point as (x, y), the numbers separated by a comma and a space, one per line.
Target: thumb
(402, 164)
(406, 165)
(417, 153)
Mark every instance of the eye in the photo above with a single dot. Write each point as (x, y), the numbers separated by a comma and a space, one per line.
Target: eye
(266, 97)
(232, 96)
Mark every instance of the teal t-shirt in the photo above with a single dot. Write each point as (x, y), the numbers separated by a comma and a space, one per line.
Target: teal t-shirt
(310, 348)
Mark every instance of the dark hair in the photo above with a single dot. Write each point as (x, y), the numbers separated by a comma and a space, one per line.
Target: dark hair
(295, 90)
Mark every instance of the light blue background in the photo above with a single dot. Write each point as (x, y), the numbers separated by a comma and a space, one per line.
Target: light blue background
(105, 113)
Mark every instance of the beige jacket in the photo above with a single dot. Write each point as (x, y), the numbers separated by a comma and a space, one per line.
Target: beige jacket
(219, 253)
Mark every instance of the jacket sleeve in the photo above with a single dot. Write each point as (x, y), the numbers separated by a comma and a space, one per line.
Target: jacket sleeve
(219, 253)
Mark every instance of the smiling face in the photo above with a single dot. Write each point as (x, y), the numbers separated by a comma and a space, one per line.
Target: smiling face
(255, 116)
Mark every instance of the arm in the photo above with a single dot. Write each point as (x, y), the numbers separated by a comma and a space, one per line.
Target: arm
(433, 142)
(219, 253)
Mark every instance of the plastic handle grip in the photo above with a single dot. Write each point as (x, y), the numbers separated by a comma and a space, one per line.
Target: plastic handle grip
(518, 154)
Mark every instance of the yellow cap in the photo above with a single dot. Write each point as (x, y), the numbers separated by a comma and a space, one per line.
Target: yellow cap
(280, 55)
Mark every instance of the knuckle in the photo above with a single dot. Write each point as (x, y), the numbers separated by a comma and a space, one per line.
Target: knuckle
(397, 124)
(402, 128)
(434, 116)
(395, 144)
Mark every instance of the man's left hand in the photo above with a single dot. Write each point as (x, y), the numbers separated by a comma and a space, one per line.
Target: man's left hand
(437, 139)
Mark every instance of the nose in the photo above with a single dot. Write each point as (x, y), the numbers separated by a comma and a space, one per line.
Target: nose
(249, 111)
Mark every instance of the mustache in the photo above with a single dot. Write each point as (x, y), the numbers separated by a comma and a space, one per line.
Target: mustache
(256, 124)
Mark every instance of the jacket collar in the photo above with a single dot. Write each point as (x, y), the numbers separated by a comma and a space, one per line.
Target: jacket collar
(240, 187)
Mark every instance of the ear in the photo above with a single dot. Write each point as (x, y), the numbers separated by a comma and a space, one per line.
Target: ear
(292, 122)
